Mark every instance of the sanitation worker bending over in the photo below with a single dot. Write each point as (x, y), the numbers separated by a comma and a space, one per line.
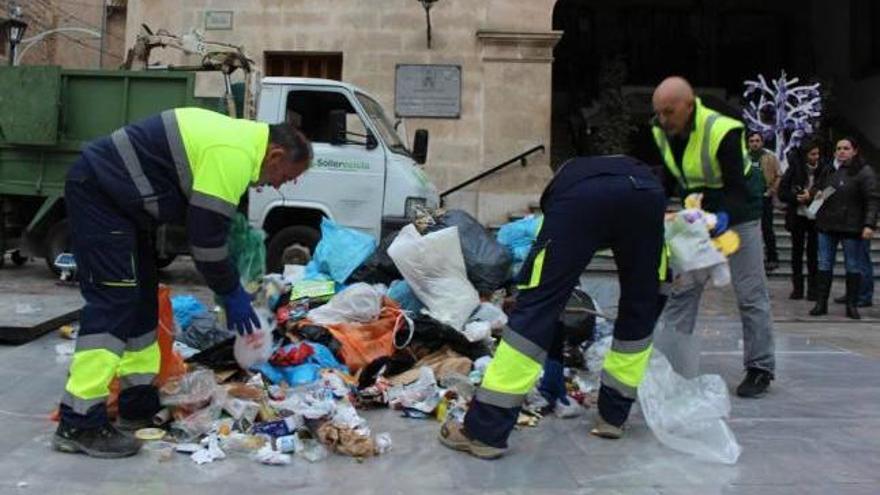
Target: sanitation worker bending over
(185, 165)
(591, 203)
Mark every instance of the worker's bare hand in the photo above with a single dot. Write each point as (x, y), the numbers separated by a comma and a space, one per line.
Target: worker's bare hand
(867, 233)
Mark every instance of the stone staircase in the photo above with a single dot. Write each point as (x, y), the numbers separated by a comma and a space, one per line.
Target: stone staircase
(603, 261)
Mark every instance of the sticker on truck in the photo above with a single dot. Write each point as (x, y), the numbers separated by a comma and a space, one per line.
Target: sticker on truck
(331, 164)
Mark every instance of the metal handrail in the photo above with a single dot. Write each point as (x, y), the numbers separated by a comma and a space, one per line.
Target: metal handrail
(518, 158)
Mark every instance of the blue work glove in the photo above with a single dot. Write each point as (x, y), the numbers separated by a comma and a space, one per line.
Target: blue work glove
(721, 224)
(240, 315)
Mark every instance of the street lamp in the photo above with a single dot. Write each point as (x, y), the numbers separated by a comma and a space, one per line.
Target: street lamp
(427, 4)
(15, 33)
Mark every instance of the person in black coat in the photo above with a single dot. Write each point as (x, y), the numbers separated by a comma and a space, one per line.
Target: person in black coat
(804, 167)
(847, 216)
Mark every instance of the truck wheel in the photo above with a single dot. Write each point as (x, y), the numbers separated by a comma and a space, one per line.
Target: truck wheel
(17, 258)
(164, 261)
(289, 246)
(57, 242)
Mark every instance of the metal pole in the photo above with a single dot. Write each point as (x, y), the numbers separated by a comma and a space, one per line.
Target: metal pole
(103, 33)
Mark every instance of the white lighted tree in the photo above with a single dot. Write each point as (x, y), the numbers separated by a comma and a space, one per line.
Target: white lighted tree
(782, 109)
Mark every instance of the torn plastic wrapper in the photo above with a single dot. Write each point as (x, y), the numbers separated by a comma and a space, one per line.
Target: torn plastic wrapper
(191, 391)
(421, 395)
(266, 455)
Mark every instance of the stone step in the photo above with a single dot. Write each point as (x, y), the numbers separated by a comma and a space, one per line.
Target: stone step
(606, 265)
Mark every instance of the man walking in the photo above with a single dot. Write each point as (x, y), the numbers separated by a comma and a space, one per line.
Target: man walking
(591, 203)
(704, 152)
(182, 166)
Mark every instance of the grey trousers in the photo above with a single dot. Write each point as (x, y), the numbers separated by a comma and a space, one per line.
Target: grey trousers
(675, 335)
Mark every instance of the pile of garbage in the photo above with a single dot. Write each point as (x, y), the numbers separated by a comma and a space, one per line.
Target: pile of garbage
(408, 323)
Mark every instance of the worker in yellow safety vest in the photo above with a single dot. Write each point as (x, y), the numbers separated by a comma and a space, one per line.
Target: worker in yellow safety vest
(186, 165)
(703, 151)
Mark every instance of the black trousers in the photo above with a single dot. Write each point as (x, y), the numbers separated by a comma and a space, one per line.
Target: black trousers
(622, 212)
(770, 252)
(804, 238)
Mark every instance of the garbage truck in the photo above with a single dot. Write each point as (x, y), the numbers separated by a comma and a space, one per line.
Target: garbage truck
(363, 175)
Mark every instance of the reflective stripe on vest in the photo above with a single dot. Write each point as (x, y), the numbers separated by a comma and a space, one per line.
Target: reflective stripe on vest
(136, 171)
(700, 167)
(178, 152)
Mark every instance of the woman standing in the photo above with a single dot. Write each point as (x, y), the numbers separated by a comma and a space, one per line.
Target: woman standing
(847, 216)
(795, 191)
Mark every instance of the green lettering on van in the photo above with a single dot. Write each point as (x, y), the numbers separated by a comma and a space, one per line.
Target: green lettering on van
(344, 166)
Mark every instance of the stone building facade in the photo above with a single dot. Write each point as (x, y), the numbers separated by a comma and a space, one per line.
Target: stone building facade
(80, 34)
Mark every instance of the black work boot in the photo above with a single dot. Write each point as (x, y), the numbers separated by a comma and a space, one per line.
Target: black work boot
(797, 284)
(823, 288)
(105, 442)
(755, 383)
(853, 284)
(811, 288)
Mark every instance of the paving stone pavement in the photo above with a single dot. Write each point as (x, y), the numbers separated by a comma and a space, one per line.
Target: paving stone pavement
(817, 432)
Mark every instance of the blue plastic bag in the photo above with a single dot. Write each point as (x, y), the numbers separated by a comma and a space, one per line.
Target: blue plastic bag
(340, 252)
(186, 307)
(402, 294)
(305, 372)
(518, 237)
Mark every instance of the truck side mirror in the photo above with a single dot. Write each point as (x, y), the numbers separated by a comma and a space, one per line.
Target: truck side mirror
(420, 146)
(372, 143)
(337, 127)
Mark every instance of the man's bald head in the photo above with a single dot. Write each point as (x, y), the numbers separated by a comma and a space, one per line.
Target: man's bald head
(673, 102)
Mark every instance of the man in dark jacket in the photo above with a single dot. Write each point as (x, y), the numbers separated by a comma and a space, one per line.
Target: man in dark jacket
(848, 215)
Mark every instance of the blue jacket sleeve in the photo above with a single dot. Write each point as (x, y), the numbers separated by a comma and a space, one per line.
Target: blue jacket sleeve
(208, 231)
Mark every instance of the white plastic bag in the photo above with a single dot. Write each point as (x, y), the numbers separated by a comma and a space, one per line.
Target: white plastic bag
(688, 415)
(358, 303)
(690, 246)
(434, 268)
(255, 348)
(491, 314)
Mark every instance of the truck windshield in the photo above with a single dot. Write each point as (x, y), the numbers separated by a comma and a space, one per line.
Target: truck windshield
(383, 126)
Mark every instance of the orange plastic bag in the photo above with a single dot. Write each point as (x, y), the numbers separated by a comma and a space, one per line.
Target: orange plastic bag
(172, 364)
(362, 343)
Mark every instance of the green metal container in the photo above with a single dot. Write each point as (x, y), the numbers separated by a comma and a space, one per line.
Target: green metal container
(47, 114)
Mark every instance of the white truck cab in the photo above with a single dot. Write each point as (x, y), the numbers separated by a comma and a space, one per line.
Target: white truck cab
(363, 175)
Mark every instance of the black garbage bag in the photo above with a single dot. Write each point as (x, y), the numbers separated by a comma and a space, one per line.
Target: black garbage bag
(486, 260)
(433, 335)
(217, 357)
(379, 267)
(578, 318)
(320, 335)
(204, 331)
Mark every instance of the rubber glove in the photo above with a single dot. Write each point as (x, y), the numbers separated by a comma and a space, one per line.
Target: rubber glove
(721, 224)
(240, 315)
